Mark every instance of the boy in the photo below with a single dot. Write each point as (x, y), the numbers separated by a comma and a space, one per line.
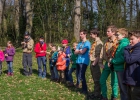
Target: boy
(53, 60)
(132, 66)
(67, 51)
(118, 60)
(94, 58)
(82, 50)
(40, 50)
(106, 54)
(61, 65)
(73, 67)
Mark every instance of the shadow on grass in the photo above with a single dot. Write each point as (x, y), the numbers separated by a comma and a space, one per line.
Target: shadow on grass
(5, 72)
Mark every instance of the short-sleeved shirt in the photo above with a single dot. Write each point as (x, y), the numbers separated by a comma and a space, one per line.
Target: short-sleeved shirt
(83, 58)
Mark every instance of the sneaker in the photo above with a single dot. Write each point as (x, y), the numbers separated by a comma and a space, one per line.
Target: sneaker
(77, 86)
(84, 92)
(70, 84)
(8, 74)
(11, 74)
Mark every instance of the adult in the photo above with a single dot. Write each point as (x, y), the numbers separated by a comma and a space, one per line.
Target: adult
(94, 58)
(40, 50)
(82, 50)
(27, 45)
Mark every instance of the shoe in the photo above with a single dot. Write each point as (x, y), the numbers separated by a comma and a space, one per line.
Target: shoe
(104, 98)
(11, 74)
(84, 92)
(70, 84)
(112, 98)
(8, 74)
(77, 86)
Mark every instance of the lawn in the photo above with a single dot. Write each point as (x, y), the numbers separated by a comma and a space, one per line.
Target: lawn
(20, 87)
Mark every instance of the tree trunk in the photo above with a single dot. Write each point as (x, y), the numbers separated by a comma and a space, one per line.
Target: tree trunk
(1, 13)
(77, 19)
(29, 13)
(17, 19)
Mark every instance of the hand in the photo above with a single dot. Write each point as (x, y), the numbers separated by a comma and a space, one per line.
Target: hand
(23, 43)
(109, 64)
(93, 64)
(6, 55)
(41, 51)
(102, 66)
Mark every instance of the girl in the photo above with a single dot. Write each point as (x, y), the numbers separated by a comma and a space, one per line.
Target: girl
(9, 55)
(1, 59)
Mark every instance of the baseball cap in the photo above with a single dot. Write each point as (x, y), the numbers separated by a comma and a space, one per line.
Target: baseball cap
(65, 41)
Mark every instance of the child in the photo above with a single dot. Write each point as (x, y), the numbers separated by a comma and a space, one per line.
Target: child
(49, 56)
(132, 66)
(94, 58)
(53, 63)
(67, 51)
(73, 60)
(1, 60)
(118, 60)
(61, 64)
(9, 55)
(106, 54)
(40, 50)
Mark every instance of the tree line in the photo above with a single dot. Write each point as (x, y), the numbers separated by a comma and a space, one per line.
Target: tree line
(58, 19)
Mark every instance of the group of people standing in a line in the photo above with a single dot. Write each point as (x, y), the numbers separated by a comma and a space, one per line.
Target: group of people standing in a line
(118, 56)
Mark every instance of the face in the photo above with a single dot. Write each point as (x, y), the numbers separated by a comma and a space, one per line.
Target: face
(109, 33)
(119, 36)
(59, 52)
(134, 40)
(74, 46)
(53, 49)
(93, 35)
(8, 44)
(41, 40)
(82, 36)
(64, 44)
(26, 36)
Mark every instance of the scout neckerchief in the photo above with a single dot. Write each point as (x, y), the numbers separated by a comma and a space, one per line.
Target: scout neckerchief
(113, 48)
(93, 47)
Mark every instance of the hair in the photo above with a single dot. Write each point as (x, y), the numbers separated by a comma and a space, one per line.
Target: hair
(134, 33)
(84, 31)
(41, 37)
(113, 28)
(50, 44)
(54, 46)
(75, 43)
(123, 31)
(10, 43)
(95, 31)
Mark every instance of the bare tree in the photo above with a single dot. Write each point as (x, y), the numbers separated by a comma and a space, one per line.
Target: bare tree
(29, 14)
(17, 18)
(77, 19)
(1, 14)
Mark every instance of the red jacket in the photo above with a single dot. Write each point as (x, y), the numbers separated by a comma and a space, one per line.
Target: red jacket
(61, 62)
(38, 48)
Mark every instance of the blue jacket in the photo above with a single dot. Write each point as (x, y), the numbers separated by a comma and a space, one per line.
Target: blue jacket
(132, 67)
(67, 52)
(53, 59)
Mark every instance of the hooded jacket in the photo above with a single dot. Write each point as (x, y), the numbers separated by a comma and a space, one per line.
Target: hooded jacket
(132, 67)
(118, 60)
(61, 62)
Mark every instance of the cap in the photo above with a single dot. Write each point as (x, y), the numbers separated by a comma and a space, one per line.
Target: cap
(65, 41)
(26, 33)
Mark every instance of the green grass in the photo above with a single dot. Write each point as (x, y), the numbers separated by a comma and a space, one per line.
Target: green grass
(19, 87)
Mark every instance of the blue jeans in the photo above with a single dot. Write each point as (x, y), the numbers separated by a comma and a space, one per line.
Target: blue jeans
(70, 74)
(10, 66)
(55, 72)
(80, 71)
(43, 60)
